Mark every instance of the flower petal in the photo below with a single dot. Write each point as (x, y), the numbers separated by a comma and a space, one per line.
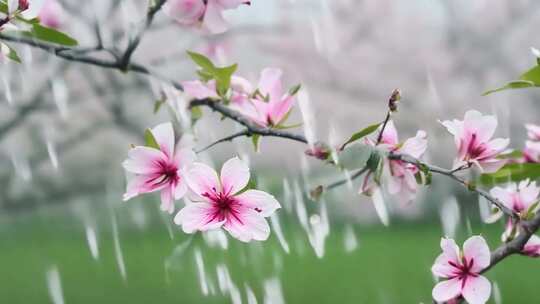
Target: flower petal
(476, 248)
(234, 175)
(185, 12)
(199, 90)
(202, 179)
(198, 217)
(164, 135)
(482, 125)
(476, 290)
(139, 184)
(213, 18)
(532, 247)
(167, 203)
(390, 135)
(270, 83)
(503, 195)
(446, 290)
(247, 225)
(492, 165)
(184, 157)
(415, 146)
(278, 110)
(230, 4)
(260, 201)
(144, 160)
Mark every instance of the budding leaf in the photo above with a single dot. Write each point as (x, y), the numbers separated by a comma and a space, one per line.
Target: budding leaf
(9, 52)
(295, 89)
(150, 140)
(196, 114)
(202, 61)
(255, 139)
(223, 78)
(530, 78)
(3, 7)
(512, 172)
(49, 35)
(315, 193)
(361, 134)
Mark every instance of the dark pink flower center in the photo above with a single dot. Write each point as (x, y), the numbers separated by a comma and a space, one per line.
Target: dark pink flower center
(226, 206)
(168, 174)
(475, 148)
(463, 270)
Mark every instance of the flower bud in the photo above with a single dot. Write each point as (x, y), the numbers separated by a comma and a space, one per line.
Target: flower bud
(23, 5)
(394, 99)
(319, 151)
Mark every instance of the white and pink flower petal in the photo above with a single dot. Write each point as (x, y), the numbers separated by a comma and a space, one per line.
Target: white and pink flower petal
(234, 175)
(202, 179)
(198, 217)
(260, 201)
(247, 225)
(477, 290)
(477, 250)
(447, 290)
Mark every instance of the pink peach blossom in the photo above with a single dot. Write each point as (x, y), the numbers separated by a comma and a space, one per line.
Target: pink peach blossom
(532, 247)
(518, 198)
(200, 90)
(268, 106)
(533, 132)
(531, 152)
(207, 14)
(399, 176)
(51, 14)
(462, 271)
(473, 140)
(221, 202)
(152, 169)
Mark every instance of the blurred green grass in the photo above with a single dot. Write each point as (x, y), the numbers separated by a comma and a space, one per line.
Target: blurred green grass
(391, 265)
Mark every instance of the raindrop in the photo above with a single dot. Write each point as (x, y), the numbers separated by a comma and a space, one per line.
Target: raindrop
(118, 249)
(21, 166)
(308, 118)
(250, 295)
(7, 90)
(449, 214)
(276, 227)
(273, 294)
(60, 96)
(53, 156)
(380, 206)
(200, 269)
(216, 238)
(92, 242)
(497, 297)
(350, 239)
(54, 285)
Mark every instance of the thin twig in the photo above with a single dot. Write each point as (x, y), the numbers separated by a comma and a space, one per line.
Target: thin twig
(224, 139)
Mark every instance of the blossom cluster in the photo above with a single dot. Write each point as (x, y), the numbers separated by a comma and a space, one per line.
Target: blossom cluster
(211, 200)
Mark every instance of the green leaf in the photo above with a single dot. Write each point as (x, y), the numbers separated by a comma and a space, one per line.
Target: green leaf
(361, 134)
(202, 61)
(223, 78)
(196, 114)
(295, 89)
(50, 35)
(512, 172)
(150, 140)
(515, 154)
(205, 76)
(530, 78)
(157, 105)
(10, 53)
(3, 7)
(256, 139)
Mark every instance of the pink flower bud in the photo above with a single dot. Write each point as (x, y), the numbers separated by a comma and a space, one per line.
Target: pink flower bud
(185, 12)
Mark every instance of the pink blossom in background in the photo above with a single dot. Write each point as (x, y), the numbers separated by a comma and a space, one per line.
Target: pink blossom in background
(220, 201)
(531, 152)
(270, 105)
(51, 14)
(532, 248)
(398, 176)
(200, 90)
(517, 197)
(533, 132)
(150, 169)
(462, 271)
(206, 14)
(473, 140)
